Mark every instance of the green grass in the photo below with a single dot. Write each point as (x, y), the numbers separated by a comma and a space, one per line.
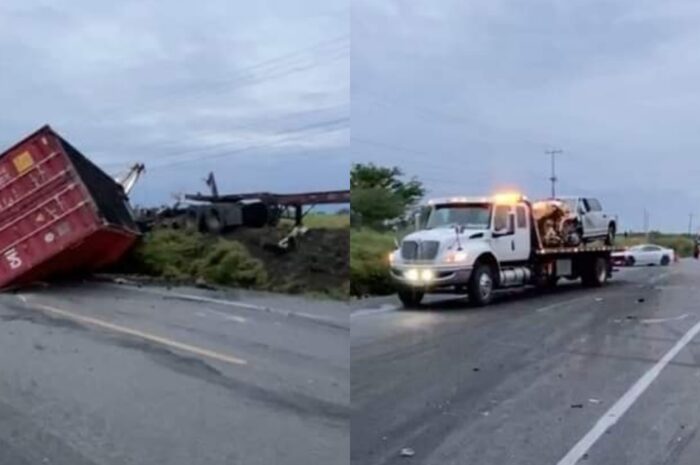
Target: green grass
(180, 256)
(369, 262)
(321, 221)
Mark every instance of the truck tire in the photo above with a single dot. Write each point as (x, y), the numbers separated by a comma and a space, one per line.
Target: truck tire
(610, 237)
(481, 284)
(410, 298)
(551, 281)
(595, 272)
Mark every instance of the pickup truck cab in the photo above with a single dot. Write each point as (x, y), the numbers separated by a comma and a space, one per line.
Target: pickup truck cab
(476, 245)
(592, 222)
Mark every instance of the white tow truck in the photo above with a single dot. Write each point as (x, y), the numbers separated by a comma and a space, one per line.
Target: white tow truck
(476, 245)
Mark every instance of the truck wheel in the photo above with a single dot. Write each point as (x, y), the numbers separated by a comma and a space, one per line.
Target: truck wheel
(410, 298)
(665, 261)
(595, 272)
(551, 281)
(481, 285)
(610, 238)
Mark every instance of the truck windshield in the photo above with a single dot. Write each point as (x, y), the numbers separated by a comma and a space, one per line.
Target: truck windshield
(470, 216)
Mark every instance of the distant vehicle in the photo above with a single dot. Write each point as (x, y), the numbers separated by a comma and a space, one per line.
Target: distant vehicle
(476, 245)
(644, 254)
(592, 222)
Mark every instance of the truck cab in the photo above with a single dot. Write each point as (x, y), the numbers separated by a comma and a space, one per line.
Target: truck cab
(476, 245)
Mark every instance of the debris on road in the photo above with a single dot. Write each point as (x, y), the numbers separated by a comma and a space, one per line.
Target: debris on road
(407, 452)
(641, 300)
(594, 401)
(577, 406)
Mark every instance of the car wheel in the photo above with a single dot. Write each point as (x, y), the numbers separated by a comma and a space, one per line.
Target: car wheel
(610, 237)
(629, 261)
(481, 285)
(665, 260)
(411, 298)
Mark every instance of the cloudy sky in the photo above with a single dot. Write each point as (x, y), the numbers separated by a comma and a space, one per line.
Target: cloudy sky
(469, 94)
(256, 91)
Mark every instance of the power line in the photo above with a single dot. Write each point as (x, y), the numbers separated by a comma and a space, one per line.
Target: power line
(244, 77)
(331, 126)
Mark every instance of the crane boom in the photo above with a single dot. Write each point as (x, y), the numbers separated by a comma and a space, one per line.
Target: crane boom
(129, 180)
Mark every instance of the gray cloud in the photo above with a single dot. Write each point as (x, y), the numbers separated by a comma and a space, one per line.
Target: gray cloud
(468, 95)
(257, 91)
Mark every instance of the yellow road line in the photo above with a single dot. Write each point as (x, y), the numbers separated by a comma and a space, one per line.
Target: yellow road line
(140, 334)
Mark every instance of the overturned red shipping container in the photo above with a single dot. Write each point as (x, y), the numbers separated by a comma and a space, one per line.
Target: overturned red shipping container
(59, 213)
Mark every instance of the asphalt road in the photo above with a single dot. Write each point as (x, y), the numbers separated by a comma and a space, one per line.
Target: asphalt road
(104, 374)
(607, 376)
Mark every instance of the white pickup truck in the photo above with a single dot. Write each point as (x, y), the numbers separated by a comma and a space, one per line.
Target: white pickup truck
(476, 245)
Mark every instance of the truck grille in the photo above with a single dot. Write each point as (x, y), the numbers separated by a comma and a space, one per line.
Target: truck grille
(412, 250)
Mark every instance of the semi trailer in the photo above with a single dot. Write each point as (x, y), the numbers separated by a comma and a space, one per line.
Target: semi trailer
(478, 245)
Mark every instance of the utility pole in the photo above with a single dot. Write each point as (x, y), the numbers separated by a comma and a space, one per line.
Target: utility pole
(690, 225)
(553, 178)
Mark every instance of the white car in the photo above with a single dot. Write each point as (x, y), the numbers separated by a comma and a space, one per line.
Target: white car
(592, 222)
(644, 254)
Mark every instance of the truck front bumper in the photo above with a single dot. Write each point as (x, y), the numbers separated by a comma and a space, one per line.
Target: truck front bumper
(430, 276)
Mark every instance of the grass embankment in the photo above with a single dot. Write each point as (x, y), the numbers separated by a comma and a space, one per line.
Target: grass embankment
(180, 256)
(321, 221)
(681, 243)
(318, 266)
(369, 262)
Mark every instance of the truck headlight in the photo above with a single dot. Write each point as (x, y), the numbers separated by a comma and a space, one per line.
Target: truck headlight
(392, 257)
(427, 275)
(412, 275)
(456, 257)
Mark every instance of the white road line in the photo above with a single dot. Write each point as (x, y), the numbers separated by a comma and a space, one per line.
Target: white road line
(664, 320)
(386, 308)
(235, 304)
(626, 401)
(225, 316)
(136, 333)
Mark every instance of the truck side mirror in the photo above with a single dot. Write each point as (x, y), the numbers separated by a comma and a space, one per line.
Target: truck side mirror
(416, 221)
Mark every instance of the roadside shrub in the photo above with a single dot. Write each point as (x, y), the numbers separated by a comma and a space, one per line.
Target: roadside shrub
(167, 253)
(229, 263)
(181, 256)
(369, 262)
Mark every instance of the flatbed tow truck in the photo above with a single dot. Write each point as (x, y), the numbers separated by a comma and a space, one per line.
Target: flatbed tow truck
(477, 245)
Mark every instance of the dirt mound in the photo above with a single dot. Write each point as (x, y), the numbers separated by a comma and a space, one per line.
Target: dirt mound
(318, 263)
